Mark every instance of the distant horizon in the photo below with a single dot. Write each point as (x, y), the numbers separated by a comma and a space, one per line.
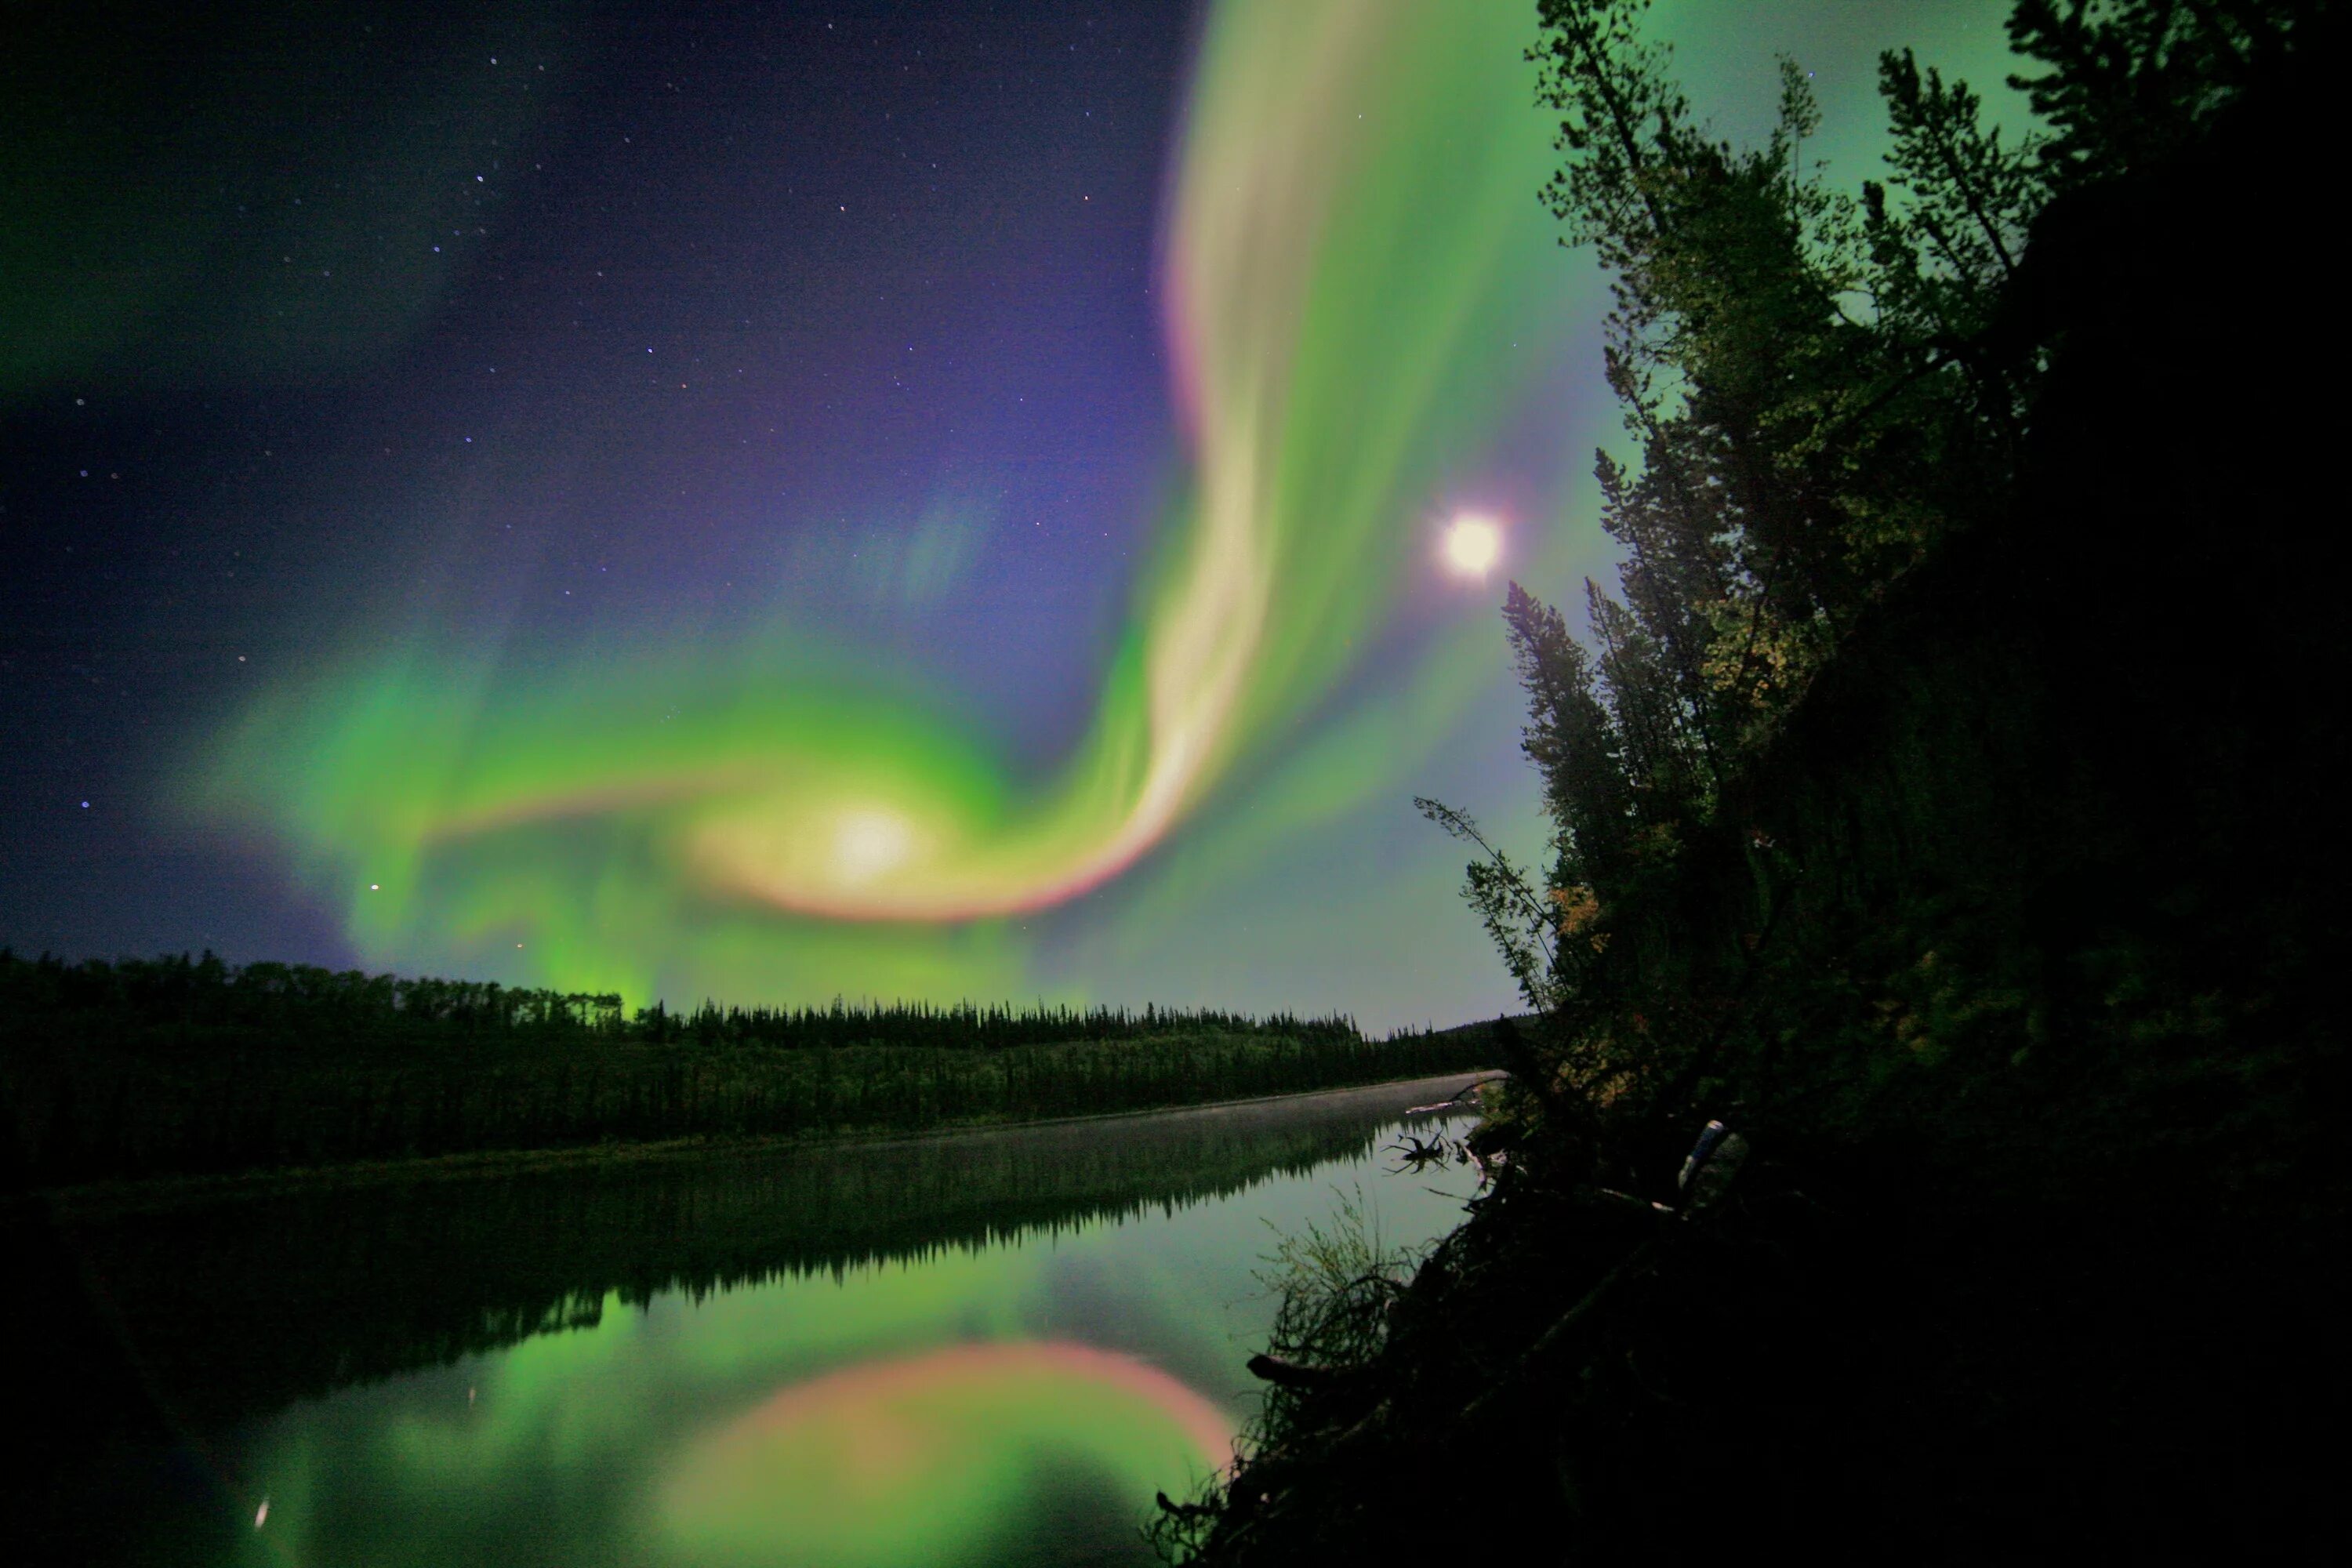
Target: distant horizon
(634, 1008)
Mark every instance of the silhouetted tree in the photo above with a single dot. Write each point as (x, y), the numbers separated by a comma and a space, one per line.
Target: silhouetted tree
(2127, 82)
(1817, 395)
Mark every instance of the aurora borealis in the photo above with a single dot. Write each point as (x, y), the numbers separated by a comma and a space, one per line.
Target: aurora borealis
(1067, 619)
(1317, 412)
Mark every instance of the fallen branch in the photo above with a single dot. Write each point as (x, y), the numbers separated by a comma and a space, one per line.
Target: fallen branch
(1535, 1364)
(1292, 1374)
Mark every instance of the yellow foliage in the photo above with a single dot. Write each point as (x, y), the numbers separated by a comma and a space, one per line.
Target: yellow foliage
(1579, 911)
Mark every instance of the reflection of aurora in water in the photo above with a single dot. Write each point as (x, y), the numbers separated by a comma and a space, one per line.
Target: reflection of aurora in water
(911, 1459)
(1337, 285)
(1016, 1402)
(489, 1263)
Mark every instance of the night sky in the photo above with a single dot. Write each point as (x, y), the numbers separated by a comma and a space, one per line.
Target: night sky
(778, 501)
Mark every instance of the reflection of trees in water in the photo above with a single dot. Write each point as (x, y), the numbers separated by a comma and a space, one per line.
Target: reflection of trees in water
(240, 1306)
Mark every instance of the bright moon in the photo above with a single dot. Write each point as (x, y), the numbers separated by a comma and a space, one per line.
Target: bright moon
(1473, 545)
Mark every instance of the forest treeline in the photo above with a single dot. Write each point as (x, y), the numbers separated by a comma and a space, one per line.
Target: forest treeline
(181, 1000)
(1944, 801)
(183, 1065)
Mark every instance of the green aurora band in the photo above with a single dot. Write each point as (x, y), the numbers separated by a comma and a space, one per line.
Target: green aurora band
(1348, 238)
(1353, 253)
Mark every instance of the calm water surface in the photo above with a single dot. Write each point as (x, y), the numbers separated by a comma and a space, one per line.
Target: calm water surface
(992, 1348)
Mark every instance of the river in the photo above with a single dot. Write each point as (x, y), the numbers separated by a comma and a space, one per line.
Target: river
(990, 1347)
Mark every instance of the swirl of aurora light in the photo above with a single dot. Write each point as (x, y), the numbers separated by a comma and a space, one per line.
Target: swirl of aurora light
(1333, 286)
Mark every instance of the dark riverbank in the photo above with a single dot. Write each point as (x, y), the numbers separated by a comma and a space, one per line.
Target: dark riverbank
(2013, 952)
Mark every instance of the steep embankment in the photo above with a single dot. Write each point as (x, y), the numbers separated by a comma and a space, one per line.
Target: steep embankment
(2023, 932)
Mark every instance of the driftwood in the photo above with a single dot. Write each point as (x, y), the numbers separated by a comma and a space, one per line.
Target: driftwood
(1293, 1374)
(1466, 1095)
(1560, 1341)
